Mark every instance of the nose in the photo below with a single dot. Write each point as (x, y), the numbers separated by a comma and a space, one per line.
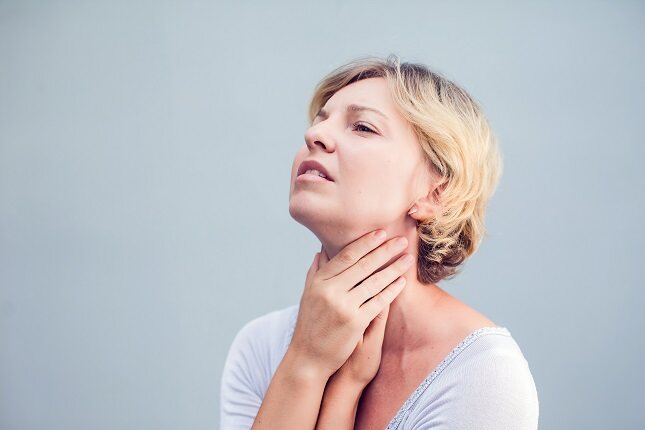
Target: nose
(317, 135)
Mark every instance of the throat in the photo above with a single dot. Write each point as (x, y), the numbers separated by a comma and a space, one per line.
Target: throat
(413, 320)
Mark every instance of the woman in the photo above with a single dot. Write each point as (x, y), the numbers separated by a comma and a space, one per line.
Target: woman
(393, 179)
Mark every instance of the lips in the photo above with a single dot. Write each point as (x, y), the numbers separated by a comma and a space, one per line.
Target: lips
(313, 164)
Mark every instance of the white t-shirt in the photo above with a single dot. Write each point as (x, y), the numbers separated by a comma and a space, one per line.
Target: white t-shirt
(484, 383)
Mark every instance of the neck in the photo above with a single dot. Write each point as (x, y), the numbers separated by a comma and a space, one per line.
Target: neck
(407, 323)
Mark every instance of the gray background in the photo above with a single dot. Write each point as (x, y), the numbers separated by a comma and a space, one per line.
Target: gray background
(145, 154)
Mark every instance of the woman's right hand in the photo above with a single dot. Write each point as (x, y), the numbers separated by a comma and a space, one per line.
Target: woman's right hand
(341, 298)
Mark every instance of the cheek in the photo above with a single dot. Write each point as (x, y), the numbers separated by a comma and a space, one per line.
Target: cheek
(371, 179)
(384, 184)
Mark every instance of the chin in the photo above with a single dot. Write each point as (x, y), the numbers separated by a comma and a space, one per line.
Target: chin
(311, 216)
(304, 213)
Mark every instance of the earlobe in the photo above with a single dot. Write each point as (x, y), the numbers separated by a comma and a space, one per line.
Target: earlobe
(420, 210)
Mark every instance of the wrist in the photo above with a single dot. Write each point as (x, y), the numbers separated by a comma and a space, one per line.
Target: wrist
(303, 369)
(340, 402)
(344, 382)
(348, 380)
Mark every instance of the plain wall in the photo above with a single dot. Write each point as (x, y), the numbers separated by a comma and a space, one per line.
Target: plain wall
(145, 156)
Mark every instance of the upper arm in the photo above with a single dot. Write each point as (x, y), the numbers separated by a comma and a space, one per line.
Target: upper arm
(240, 390)
(495, 392)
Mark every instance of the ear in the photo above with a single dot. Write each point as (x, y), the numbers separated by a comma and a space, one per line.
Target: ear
(429, 205)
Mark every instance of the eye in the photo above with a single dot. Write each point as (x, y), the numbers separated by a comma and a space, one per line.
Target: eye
(363, 127)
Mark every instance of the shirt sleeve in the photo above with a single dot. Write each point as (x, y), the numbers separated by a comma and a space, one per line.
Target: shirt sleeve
(254, 354)
(241, 390)
(493, 390)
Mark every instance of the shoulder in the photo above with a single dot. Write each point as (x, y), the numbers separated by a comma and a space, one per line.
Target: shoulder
(254, 355)
(262, 339)
(267, 327)
(495, 363)
(484, 383)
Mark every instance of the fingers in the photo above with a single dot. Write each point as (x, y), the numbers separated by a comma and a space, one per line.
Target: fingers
(370, 309)
(376, 330)
(351, 253)
(370, 263)
(379, 280)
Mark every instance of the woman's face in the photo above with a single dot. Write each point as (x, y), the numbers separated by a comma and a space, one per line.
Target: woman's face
(370, 152)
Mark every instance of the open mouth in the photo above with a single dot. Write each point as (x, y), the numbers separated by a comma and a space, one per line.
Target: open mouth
(312, 169)
(314, 174)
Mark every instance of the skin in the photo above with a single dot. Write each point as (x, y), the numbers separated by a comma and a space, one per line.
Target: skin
(350, 357)
(378, 178)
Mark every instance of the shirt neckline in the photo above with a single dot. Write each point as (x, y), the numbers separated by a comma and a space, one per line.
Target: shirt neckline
(461, 346)
(411, 400)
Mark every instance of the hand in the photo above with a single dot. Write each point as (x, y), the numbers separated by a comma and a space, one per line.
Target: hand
(341, 298)
(363, 364)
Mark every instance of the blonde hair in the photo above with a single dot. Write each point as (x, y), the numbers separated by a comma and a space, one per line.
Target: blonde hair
(458, 144)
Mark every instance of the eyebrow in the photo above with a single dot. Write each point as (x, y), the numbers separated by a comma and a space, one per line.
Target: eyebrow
(352, 108)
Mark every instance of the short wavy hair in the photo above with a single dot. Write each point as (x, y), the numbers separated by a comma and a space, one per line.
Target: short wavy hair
(458, 144)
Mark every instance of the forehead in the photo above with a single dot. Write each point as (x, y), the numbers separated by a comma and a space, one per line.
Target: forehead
(371, 92)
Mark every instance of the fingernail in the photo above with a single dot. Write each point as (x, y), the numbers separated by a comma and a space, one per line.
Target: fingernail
(408, 259)
(380, 234)
(401, 281)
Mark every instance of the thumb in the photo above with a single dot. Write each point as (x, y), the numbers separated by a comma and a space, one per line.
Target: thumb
(313, 268)
(376, 329)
